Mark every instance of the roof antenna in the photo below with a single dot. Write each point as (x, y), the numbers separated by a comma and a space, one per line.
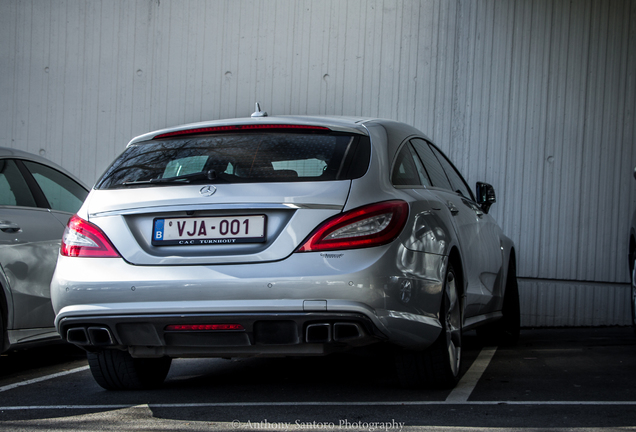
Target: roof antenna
(258, 112)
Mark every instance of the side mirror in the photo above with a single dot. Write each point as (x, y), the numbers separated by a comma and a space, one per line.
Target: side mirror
(485, 196)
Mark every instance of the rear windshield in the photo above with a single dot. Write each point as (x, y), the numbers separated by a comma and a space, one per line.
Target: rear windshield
(240, 158)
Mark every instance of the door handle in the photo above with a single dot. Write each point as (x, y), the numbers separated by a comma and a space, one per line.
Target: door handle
(9, 227)
(453, 209)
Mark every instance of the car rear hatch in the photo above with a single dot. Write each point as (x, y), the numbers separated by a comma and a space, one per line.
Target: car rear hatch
(218, 196)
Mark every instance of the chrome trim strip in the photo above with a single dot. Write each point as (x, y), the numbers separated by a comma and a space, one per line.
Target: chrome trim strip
(199, 207)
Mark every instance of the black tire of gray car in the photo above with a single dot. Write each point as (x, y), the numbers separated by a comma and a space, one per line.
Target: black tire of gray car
(1, 331)
(118, 370)
(505, 332)
(439, 365)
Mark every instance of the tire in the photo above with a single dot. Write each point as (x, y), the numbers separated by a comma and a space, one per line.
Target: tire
(118, 370)
(506, 330)
(439, 365)
(1, 330)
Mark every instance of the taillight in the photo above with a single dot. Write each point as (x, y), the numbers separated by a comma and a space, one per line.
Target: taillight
(368, 226)
(83, 239)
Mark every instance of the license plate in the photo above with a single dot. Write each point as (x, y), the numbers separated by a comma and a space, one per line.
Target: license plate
(223, 230)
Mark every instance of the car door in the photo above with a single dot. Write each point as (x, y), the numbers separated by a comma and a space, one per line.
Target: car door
(480, 249)
(32, 221)
(489, 238)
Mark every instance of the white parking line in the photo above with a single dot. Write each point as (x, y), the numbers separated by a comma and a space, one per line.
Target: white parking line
(467, 384)
(44, 378)
(320, 403)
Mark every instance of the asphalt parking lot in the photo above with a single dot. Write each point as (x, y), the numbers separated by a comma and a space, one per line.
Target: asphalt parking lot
(552, 379)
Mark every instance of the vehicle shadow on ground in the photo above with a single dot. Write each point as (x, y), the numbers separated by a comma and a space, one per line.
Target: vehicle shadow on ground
(40, 359)
(366, 374)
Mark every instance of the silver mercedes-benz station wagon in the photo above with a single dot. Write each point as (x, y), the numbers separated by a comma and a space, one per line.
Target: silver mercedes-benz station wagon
(283, 236)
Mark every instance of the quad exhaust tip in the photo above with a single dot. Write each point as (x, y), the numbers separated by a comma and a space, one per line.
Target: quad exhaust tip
(95, 336)
(77, 336)
(327, 332)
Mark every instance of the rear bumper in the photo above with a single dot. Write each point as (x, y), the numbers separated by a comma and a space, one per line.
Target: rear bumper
(308, 304)
(273, 334)
(269, 329)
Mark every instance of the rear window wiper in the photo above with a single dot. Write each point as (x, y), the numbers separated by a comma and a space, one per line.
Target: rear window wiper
(185, 178)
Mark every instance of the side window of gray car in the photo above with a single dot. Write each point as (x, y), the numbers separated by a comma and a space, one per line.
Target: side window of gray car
(432, 165)
(457, 181)
(14, 190)
(62, 193)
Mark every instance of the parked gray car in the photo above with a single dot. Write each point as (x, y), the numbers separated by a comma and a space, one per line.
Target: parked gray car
(282, 236)
(37, 198)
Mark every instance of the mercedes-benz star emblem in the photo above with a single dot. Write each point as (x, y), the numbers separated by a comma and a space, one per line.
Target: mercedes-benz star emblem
(207, 190)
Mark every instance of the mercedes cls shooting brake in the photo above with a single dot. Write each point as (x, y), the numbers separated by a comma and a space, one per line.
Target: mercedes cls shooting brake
(282, 236)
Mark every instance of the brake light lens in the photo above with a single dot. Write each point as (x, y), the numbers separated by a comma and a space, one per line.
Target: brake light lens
(368, 226)
(83, 239)
(239, 128)
(204, 327)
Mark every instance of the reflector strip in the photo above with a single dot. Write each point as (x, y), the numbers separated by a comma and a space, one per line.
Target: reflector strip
(236, 128)
(203, 327)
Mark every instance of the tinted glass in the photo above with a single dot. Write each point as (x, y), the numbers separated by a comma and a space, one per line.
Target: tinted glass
(14, 190)
(240, 158)
(426, 181)
(432, 165)
(62, 192)
(404, 170)
(457, 181)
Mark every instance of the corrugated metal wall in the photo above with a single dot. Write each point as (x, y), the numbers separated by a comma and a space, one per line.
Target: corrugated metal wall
(536, 97)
